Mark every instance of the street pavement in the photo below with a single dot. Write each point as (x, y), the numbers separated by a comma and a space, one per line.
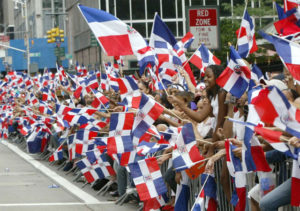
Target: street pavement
(26, 183)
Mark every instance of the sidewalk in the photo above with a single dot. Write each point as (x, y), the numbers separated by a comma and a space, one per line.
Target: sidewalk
(25, 187)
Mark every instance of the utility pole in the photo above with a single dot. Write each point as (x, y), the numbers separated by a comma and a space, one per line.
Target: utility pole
(26, 37)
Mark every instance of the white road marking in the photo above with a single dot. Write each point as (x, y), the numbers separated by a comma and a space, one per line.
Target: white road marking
(85, 197)
(54, 204)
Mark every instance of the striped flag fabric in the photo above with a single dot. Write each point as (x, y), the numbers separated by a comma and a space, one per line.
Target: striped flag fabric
(185, 153)
(235, 78)
(182, 194)
(57, 154)
(290, 4)
(150, 147)
(273, 108)
(99, 170)
(295, 197)
(120, 140)
(236, 171)
(246, 36)
(147, 178)
(115, 37)
(163, 42)
(288, 51)
(202, 58)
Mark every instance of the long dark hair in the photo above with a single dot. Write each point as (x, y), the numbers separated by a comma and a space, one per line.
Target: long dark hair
(217, 70)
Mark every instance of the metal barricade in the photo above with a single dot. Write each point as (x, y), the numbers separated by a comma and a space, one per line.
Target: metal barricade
(223, 205)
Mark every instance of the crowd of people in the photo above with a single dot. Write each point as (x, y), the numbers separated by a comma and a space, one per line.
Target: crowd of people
(74, 119)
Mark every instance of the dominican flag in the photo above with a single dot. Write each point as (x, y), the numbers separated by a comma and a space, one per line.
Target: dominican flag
(235, 169)
(115, 37)
(148, 112)
(57, 154)
(163, 42)
(273, 108)
(129, 91)
(99, 99)
(253, 155)
(290, 22)
(99, 170)
(295, 197)
(290, 4)
(155, 203)
(288, 51)
(203, 58)
(185, 153)
(199, 203)
(256, 74)
(146, 56)
(166, 75)
(76, 119)
(235, 78)
(246, 37)
(83, 141)
(150, 147)
(93, 155)
(209, 193)
(147, 178)
(120, 140)
(104, 84)
(181, 47)
(280, 11)
(182, 194)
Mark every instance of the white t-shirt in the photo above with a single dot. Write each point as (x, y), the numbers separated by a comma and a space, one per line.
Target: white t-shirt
(238, 129)
(204, 127)
(215, 106)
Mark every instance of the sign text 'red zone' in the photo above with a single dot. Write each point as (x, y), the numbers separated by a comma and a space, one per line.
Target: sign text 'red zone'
(203, 24)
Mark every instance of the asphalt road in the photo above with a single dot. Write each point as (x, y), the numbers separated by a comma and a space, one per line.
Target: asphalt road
(26, 180)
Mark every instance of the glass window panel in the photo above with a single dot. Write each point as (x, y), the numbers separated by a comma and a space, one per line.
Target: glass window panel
(103, 5)
(172, 27)
(211, 2)
(46, 3)
(179, 8)
(180, 29)
(140, 27)
(197, 2)
(149, 29)
(123, 10)
(111, 7)
(138, 9)
(153, 6)
(168, 9)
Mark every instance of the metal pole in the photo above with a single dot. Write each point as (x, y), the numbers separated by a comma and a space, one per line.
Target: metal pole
(27, 36)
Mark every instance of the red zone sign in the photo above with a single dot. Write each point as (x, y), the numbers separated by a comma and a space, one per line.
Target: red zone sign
(204, 25)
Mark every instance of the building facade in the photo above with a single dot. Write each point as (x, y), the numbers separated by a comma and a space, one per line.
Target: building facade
(139, 14)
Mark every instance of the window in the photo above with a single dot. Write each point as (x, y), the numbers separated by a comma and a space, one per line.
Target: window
(138, 9)
(152, 7)
(140, 27)
(123, 10)
(169, 9)
(46, 3)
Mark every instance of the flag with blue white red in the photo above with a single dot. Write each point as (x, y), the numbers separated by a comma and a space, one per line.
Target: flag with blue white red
(147, 178)
(120, 140)
(98, 170)
(163, 42)
(185, 153)
(202, 58)
(115, 37)
(236, 76)
(235, 169)
(246, 36)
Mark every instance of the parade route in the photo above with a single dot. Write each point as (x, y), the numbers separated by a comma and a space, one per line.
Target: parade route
(26, 183)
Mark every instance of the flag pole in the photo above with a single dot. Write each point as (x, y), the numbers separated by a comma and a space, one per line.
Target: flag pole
(201, 190)
(192, 55)
(241, 24)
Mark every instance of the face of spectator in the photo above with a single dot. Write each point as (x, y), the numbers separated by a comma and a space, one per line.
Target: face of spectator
(242, 100)
(143, 88)
(209, 79)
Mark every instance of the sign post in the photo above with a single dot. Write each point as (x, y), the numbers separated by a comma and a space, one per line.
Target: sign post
(204, 24)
